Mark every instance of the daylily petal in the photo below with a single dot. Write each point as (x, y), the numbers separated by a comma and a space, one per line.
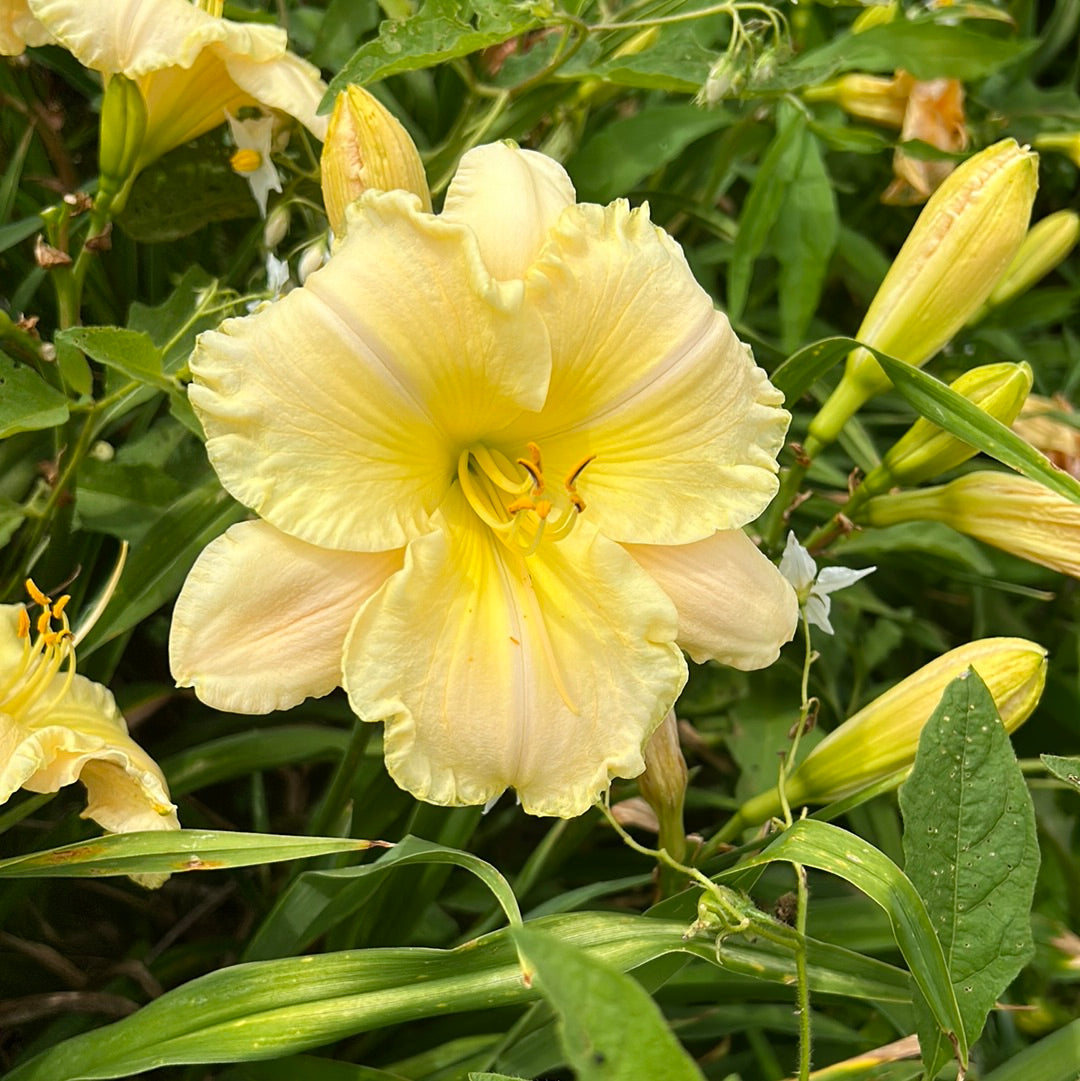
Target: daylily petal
(368, 382)
(261, 621)
(286, 83)
(510, 198)
(734, 606)
(19, 29)
(492, 671)
(648, 377)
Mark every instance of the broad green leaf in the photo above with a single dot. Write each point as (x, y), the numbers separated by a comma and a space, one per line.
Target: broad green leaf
(156, 851)
(828, 848)
(609, 1028)
(129, 352)
(621, 155)
(27, 402)
(1065, 769)
(156, 567)
(763, 205)
(441, 30)
(803, 239)
(928, 50)
(928, 539)
(318, 900)
(12, 515)
(678, 62)
(971, 852)
(123, 500)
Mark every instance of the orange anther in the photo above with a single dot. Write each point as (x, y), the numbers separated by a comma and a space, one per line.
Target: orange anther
(24, 624)
(35, 594)
(543, 509)
(576, 472)
(60, 605)
(524, 503)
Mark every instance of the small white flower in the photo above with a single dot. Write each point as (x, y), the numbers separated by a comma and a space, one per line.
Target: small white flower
(813, 588)
(251, 160)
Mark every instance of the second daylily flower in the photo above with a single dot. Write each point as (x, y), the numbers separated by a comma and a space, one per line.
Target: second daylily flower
(501, 457)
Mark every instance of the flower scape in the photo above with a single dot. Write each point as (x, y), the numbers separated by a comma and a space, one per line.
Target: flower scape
(545, 533)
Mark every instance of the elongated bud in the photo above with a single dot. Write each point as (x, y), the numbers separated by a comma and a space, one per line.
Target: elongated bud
(875, 15)
(123, 124)
(663, 784)
(366, 149)
(1004, 510)
(869, 97)
(880, 741)
(1065, 142)
(965, 237)
(926, 451)
(1046, 245)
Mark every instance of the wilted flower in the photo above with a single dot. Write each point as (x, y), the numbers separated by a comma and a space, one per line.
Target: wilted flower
(191, 65)
(491, 451)
(966, 235)
(880, 740)
(663, 784)
(57, 727)
(813, 587)
(1004, 510)
(254, 138)
(1058, 439)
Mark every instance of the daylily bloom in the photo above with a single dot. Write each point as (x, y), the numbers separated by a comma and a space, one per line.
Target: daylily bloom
(191, 65)
(812, 586)
(19, 29)
(57, 727)
(253, 138)
(501, 457)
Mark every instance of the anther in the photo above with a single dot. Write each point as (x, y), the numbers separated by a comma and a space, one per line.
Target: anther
(245, 160)
(24, 624)
(578, 469)
(534, 466)
(43, 622)
(35, 594)
(60, 605)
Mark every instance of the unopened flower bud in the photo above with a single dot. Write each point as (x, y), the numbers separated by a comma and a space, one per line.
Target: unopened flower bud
(927, 451)
(663, 784)
(1004, 510)
(869, 97)
(875, 15)
(276, 227)
(1047, 243)
(123, 124)
(366, 148)
(965, 237)
(1065, 142)
(880, 741)
(312, 258)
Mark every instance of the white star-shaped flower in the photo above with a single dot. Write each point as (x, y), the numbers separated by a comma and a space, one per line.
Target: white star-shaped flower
(813, 587)
(251, 160)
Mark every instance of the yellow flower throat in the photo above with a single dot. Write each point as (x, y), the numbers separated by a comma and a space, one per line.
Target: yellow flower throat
(42, 656)
(521, 511)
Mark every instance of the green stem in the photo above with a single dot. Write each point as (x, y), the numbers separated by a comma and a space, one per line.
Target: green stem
(333, 801)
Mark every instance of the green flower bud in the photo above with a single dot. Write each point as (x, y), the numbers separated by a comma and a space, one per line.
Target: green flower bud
(1045, 246)
(123, 124)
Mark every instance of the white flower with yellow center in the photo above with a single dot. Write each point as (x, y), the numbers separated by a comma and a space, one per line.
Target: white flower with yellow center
(191, 65)
(501, 458)
(253, 138)
(57, 727)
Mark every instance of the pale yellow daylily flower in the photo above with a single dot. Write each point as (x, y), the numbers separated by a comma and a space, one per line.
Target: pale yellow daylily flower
(192, 66)
(57, 727)
(19, 29)
(502, 456)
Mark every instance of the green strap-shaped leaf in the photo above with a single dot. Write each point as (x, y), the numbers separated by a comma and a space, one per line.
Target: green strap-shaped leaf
(173, 851)
(829, 848)
(971, 851)
(27, 402)
(609, 1027)
(803, 369)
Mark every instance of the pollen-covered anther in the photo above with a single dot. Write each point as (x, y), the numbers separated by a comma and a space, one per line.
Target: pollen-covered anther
(245, 160)
(571, 480)
(534, 466)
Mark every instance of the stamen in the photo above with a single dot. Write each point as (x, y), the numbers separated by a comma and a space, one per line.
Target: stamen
(534, 466)
(35, 594)
(61, 604)
(478, 499)
(245, 160)
(496, 472)
(24, 624)
(578, 469)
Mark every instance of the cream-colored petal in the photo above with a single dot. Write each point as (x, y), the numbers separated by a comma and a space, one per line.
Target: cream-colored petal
(339, 412)
(510, 198)
(734, 606)
(261, 621)
(648, 377)
(493, 671)
(139, 36)
(19, 29)
(286, 83)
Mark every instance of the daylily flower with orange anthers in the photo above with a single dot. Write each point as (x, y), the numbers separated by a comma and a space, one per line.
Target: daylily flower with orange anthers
(192, 66)
(501, 457)
(57, 727)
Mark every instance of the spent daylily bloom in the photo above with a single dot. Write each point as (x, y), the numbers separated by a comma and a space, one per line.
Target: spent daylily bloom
(812, 587)
(501, 458)
(57, 727)
(191, 65)
(254, 138)
(1050, 426)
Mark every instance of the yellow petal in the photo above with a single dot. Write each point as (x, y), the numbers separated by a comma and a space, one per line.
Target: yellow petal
(19, 29)
(734, 605)
(339, 412)
(286, 83)
(261, 621)
(510, 198)
(648, 377)
(494, 671)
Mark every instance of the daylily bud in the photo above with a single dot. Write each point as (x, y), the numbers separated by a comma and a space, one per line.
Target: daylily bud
(870, 97)
(1047, 243)
(123, 124)
(880, 740)
(965, 237)
(926, 451)
(663, 784)
(1067, 142)
(875, 15)
(1057, 439)
(1005, 510)
(366, 148)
